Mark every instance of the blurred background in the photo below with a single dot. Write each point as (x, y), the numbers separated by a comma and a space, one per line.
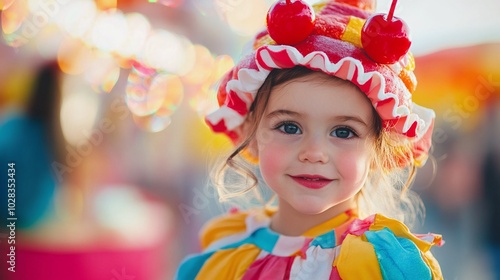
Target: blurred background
(101, 106)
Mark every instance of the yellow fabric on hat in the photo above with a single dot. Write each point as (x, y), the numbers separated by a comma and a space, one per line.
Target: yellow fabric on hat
(263, 41)
(408, 79)
(410, 66)
(352, 33)
(319, 6)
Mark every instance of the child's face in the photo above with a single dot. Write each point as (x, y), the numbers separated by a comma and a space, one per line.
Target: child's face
(315, 143)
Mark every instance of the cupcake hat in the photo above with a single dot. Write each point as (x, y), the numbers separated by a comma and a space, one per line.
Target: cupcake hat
(342, 38)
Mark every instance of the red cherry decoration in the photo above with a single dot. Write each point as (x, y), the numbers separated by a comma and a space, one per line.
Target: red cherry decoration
(385, 38)
(290, 21)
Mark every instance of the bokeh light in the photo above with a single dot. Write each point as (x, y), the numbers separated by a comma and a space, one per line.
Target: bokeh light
(103, 72)
(244, 17)
(169, 52)
(138, 30)
(204, 99)
(153, 106)
(73, 57)
(152, 123)
(140, 100)
(76, 17)
(102, 39)
(109, 31)
(204, 61)
(5, 4)
(223, 63)
(14, 16)
(106, 4)
(79, 109)
(174, 89)
(122, 209)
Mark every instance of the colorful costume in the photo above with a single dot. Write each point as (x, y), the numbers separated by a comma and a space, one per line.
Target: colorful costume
(242, 246)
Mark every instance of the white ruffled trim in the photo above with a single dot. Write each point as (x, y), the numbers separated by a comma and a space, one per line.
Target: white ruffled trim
(426, 117)
(317, 264)
(232, 119)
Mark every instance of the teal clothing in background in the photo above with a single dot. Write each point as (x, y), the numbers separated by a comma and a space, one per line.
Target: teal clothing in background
(24, 141)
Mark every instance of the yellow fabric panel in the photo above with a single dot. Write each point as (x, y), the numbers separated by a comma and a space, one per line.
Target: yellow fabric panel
(230, 263)
(352, 33)
(357, 260)
(319, 6)
(221, 227)
(328, 225)
(401, 230)
(433, 265)
(263, 41)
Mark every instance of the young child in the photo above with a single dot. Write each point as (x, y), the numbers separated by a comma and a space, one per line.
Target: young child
(323, 108)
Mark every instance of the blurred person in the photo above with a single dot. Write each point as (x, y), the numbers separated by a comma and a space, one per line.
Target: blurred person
(30, 138)
(492, 208)
(335, 136)
(462, 201)
(79, 221)
(453, 207)
(491, 197)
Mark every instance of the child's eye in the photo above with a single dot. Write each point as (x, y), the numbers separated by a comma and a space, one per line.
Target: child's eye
(343, 132)
(289, 128)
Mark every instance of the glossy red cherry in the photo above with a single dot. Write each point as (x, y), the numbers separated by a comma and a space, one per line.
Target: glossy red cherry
(290, 21)
(385, 38)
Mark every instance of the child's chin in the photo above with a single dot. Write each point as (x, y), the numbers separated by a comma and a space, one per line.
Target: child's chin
(310, 209)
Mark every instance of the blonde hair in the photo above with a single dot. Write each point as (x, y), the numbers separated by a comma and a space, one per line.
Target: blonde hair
(387, 188)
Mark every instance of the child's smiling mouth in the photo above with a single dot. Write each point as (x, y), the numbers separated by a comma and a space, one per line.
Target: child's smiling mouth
(311, 181)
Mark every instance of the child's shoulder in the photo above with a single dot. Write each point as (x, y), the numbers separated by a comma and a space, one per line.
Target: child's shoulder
(230, 224)
(386, 247)
(380, 223)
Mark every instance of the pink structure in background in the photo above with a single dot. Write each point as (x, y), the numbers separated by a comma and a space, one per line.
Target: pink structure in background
(90, 264)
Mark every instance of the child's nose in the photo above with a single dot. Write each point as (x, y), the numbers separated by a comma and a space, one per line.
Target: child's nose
(314, 149)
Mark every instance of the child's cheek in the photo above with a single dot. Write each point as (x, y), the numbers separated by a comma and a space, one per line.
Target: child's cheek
(353, 164)
(272, 158)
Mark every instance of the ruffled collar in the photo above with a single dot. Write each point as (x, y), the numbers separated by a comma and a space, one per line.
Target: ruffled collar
(262, 218)
(325, 235)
